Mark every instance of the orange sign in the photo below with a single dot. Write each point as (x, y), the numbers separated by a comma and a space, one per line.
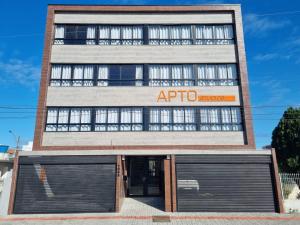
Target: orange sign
(192, 96)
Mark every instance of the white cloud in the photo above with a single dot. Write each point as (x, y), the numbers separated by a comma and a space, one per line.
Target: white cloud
(259, 26)
(275, 90)
(266, 57)
(19, 71)
(292, 46)
(271, 56)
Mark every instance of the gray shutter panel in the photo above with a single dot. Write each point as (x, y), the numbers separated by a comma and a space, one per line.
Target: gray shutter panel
(78, 185)
(224, 183)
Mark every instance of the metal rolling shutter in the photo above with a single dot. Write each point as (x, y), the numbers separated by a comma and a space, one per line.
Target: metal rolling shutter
(225, 183)
(63, 184)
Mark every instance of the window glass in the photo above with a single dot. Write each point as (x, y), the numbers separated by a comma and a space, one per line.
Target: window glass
(137, 115)
(70, 32)
(114, 75)
(219, 74)
(78, 75)
(101, 120)
(63, 116)
(214, 34)
(90, 35)
(75, 116)
(131, 119)
(133, 35)
(104, 35)
(103, 72)
(81, 32)
(52, 116)
(133, 75)
(88, 75)
(128, 74)
(59, 34)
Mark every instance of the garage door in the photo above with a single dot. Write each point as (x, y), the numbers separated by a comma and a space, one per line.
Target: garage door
(56, 184)
(225, 183)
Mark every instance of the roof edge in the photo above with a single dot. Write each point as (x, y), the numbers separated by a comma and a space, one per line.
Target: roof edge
(144, 8)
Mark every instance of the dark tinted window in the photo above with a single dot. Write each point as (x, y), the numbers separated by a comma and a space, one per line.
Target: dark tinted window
(128, 75)
(75, 34)
(70, 32)
(114, 75)
(122, 75)
(81, 32)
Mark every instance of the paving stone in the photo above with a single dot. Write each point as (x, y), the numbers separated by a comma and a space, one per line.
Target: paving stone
(140, 211)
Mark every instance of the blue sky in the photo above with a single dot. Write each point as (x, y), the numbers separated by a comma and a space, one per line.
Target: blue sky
(272, 47)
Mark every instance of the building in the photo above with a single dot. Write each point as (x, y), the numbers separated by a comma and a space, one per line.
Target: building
(144, 101)
(6, 159)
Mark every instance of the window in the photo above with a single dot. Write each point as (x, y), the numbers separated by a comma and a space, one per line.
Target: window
(66, 119)
(80, 120)
(214, 35)
(103, 72)
(75, 34)
(120, 35)
(216, 75)
(133, 75)
(170, 35)
(217, 119)
(76, 75)
(171, 75)
(59, 35)
(172, 119)
(119, 119)
(106, 75)
(125, 75)
(134, 34)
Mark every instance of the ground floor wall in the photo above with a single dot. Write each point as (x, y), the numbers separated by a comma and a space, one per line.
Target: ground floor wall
(203, 182)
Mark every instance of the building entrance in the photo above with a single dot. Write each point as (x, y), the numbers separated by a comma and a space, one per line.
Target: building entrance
(145, 176)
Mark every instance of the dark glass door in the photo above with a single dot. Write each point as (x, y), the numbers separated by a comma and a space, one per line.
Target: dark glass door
(145, 176)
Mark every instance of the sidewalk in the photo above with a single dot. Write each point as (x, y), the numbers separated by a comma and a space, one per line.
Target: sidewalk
(144, 212)
(175, 218)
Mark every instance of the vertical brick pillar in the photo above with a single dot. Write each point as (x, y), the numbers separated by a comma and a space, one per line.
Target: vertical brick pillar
(168, 190)
(277, 182)
(174, 185)
(118, 183)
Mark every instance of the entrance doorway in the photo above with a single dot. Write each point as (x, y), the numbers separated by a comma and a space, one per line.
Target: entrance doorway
(145, 176)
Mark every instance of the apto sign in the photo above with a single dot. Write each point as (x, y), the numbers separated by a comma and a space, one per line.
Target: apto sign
(191, 96)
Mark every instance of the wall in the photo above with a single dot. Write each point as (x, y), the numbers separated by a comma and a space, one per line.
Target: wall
(136, 96)
(145, 18)
(5, 193)
(143, 54)
(141, 138)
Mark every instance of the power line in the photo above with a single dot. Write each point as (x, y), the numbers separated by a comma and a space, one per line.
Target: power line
(36, 113)
(210, 117)
(254, 106)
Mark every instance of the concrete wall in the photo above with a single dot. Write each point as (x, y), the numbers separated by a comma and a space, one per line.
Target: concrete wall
(144, 18)
(135, 96)
(5, 192)
(5, 166)
(141, 138)
(143, 54)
